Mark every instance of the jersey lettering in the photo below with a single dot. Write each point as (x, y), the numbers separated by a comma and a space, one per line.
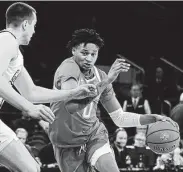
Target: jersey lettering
(87, 111)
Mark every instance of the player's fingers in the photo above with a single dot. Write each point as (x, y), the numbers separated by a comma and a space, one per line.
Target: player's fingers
(119, 60)
(51, 115)
(121, 70)
(119, 67)
(91, 87)
(90, 92)
(170, 121)
(122, 61)
(124, 65)
(86, 89)
(45, 115)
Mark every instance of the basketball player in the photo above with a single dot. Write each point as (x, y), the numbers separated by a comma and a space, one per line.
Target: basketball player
(20, 27)
(80, 141)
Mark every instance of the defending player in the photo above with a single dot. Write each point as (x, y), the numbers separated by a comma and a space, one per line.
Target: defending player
(20, 27)
(79, 139)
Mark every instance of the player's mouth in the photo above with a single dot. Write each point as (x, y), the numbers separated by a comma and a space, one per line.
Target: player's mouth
(86, 65)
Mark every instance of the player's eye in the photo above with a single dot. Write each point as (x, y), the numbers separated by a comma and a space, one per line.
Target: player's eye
(84, 53)
(93, 54)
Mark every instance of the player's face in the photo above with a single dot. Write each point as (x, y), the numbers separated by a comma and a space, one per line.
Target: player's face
(86, 55)
(29, 29)
(121, 139)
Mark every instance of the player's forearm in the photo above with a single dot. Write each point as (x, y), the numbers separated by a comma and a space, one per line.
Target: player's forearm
(13, 97)
(44, 95)
(128, 119)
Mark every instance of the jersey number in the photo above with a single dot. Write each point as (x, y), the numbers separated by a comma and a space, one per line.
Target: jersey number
(87, 111)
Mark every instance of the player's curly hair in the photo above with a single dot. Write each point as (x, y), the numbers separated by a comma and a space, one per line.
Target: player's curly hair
(85, 36)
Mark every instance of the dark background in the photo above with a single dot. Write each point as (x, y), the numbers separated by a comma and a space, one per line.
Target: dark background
(140, 31)
(137, 30)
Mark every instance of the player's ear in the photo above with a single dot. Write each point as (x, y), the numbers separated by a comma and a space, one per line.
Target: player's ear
(73, 51)
(24, 24)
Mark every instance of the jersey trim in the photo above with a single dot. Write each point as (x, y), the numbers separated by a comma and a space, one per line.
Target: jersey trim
(8, 32)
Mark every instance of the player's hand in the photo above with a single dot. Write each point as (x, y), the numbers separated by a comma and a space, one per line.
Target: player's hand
(118, 66)
(165, 118)
(85, 90)
(44, 125)
(41, 112)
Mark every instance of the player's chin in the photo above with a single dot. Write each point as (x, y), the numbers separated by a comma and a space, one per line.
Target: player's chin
(86, 68)
(25, 42)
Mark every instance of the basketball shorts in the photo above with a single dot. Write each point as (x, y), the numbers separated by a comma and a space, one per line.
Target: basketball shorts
(6, 135)
(83, 159)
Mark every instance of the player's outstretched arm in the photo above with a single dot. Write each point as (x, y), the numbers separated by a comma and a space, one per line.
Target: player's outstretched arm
(128, 119)
(8, 51)
(37, 94)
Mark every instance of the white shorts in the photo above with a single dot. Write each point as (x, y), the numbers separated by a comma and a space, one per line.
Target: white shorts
(99, 152)
(6, 135)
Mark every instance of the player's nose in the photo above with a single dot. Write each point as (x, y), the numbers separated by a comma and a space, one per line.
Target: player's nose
(89, 58)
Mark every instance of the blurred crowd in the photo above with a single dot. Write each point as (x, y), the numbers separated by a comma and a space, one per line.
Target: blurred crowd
(158, 95)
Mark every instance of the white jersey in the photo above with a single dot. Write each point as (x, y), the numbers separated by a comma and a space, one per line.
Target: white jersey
(14, 68)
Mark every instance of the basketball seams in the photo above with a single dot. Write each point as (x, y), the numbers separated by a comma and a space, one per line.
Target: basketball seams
(164, 142)
(161, 130)
(162, 137)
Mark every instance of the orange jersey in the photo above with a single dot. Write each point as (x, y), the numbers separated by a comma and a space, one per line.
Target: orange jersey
(76, 129)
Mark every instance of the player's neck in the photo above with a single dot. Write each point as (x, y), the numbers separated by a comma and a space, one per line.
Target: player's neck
(87, 73)
(16, 33)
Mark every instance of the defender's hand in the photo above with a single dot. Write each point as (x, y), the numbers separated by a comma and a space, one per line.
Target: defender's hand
(41, 112)
(118, 66)
(84, 91)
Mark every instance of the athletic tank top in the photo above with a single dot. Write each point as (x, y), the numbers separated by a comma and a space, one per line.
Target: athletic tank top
(14, 68)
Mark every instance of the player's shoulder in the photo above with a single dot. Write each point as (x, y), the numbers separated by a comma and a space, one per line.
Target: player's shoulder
(68, 63)
(68, 66)
(8, 41)
(7, 38)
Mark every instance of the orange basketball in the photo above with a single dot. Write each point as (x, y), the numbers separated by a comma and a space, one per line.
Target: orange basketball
(162, 137)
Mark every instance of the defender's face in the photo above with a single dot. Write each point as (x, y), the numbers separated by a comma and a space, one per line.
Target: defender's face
(121, 139)
(86, 55)
(29, 29)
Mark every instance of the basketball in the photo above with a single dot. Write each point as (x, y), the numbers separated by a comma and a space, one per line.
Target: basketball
(162, 137)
